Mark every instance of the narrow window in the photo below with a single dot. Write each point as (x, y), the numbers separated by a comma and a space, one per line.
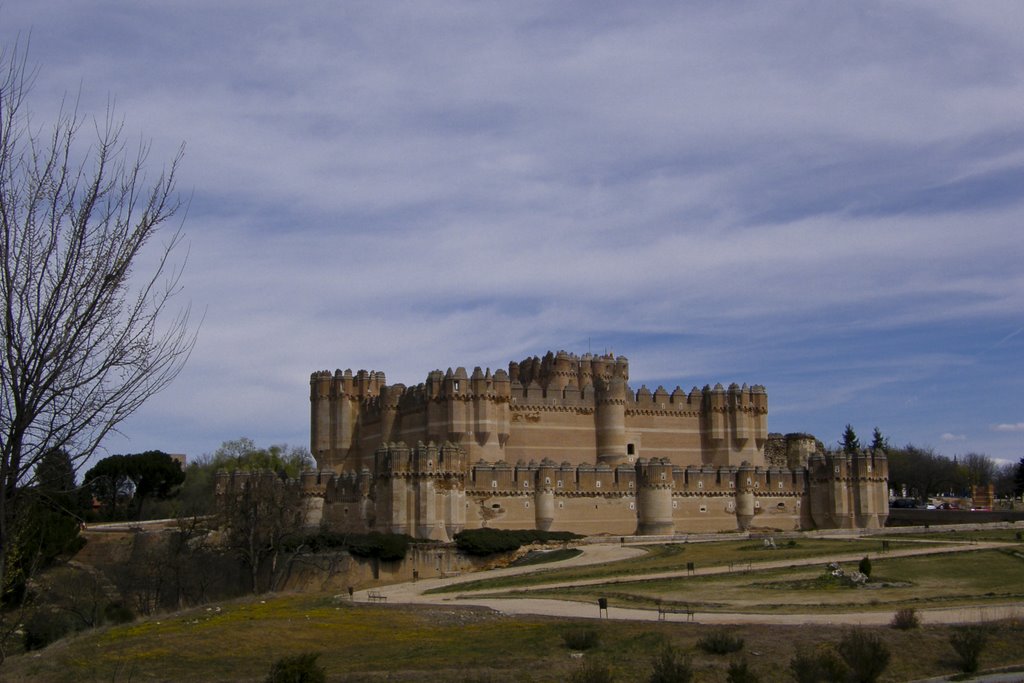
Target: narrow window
(630, 449)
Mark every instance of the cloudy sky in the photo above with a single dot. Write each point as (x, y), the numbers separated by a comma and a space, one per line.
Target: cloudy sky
(826, 198)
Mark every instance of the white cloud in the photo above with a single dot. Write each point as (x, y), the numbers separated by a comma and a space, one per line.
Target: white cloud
(721, 192)
(953, 437)
(1007, 427)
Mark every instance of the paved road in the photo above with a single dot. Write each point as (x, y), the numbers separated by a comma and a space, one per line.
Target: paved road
(602, 553)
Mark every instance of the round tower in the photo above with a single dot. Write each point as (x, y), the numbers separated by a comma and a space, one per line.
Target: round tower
(654, 497)
(544, 494)
(745, 495)
(610, 419)
(320, 424)
(313, 487)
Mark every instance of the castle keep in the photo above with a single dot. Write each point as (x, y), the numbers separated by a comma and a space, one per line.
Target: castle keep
(563, 443)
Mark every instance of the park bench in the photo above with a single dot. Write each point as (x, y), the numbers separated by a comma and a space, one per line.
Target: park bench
(376, 596)
(665, 610)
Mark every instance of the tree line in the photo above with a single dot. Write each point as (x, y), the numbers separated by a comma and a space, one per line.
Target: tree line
(925, 473)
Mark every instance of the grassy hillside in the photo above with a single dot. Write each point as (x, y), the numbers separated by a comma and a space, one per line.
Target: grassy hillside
(238, 642)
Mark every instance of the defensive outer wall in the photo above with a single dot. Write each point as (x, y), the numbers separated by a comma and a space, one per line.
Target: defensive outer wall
(563, 443)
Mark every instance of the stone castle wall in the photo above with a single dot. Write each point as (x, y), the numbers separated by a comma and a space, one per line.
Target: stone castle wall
(590, 455)
(578, 409)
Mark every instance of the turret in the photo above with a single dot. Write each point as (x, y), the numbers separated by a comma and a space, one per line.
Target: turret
(654, 497)
(746, 497)
(610, 419)
(544, 494)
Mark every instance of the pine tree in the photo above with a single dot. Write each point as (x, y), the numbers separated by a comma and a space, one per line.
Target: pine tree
(851, 444)
(878, 442)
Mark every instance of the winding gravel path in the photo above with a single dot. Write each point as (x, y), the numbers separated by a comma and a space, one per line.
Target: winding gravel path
(600, 553)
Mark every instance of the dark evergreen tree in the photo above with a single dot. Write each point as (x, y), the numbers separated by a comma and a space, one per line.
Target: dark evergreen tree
(123, 483)
(851, 444)
(878, 442)
(109, 483)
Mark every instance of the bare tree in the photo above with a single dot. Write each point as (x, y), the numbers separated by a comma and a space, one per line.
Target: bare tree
(89, 333)
(261, 518)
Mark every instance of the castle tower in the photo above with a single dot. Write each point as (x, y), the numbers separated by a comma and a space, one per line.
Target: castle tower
(389, 397)
(502, 414)
(313, 488)
(457, 393)
(870, 480)
(654, 497)
(745, 495)
(544, 494)
(610, 414)
(714, 426)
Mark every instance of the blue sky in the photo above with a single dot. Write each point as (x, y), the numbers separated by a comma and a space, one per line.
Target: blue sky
(822, 197)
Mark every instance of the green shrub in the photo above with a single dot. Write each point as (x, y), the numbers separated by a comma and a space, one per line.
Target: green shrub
(820, 666)
(720, 643)
(969, 642)
(43, 628)
(739, 672)
(300, 668)
(581, 639)
(388, 547)
(670, 667)
(865, 654)
(905, 619)
(482, 542)
(864, 567)
(592, 672)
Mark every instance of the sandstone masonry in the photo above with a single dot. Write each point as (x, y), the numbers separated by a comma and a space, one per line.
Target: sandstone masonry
(563, 443)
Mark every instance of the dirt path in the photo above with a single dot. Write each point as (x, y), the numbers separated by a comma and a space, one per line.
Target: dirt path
(602, 553)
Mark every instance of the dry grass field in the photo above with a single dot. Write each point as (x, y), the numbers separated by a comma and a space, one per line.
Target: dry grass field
(238, 641)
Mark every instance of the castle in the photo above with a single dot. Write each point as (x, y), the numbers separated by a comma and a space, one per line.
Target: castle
(563, 443)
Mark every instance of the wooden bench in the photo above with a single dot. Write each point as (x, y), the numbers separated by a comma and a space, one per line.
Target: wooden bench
(376, 596)
(665, 610)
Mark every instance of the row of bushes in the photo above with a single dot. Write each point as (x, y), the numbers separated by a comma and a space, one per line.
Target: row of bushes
(387, 547)
(479, 542)
(482, 542)
(860, 655)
